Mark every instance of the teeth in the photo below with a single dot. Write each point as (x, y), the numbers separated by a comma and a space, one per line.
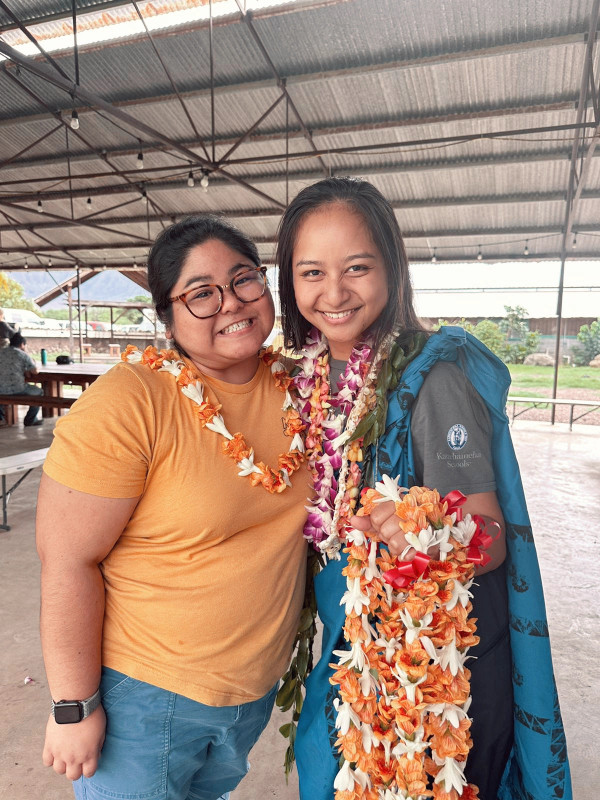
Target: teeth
(338, 314)
(237, 326)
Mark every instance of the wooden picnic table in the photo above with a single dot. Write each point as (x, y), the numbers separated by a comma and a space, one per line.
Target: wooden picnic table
(53, 378)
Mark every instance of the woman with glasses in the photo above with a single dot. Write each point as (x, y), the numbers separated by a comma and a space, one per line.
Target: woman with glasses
(169, 530)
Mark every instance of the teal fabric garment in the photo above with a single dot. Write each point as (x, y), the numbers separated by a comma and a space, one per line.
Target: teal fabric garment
(538, 768)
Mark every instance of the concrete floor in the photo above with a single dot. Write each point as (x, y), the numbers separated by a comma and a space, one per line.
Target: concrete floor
(561, 473)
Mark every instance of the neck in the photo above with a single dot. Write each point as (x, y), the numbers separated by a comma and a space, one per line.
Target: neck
(234, 373)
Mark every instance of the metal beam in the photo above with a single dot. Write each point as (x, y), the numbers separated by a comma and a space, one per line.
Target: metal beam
(94, 100)
(576, 180)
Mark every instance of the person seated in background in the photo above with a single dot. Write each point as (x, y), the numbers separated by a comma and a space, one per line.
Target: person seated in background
(6, 330)
(16, 368)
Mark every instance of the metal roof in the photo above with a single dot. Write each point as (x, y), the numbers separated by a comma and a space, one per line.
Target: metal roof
(477, 119)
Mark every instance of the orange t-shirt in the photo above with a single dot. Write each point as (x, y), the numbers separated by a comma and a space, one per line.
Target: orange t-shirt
(205, 584)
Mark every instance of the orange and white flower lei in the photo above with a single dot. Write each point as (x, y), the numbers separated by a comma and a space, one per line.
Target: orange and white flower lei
(235, 446)
(404, 694)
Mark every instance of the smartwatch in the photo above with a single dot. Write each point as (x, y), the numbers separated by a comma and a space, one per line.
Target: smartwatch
(66, 712)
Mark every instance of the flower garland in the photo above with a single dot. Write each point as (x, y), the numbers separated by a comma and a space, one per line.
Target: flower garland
(235, 446)
(404, 690)
(328, 448)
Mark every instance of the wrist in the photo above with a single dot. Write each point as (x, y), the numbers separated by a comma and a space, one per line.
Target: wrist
(67, 712)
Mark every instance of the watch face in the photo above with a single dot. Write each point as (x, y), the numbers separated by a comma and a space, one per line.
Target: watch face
(65, 713)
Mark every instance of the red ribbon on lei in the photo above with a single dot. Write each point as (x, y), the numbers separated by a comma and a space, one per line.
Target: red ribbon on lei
(481, 541)
(455, 499)
(405, 572)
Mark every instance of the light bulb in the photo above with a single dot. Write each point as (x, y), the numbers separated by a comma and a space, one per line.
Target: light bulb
(480, 255)
(140, 161)
(50, 262)
(526, 250)
(134, 264)
(204, 182)
(40, 207)
(75, 120)
(190, 179)
(145, 197)
(26, 263)
(433, 258)
(574, 245)
(89, 202)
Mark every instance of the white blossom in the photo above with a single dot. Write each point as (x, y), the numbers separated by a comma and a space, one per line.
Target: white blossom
(173, 367)
(409, 746)
(452, 775)
(426, 539)
(451, 658)
(460, 594)
(354, 599)
(246, 466)
(297, 443)
(217, 424)
(414, 627)
(194, 391)
(389, 489)
(345, 716)
(134, 357)
(353, 658)
(372, 570)
(344, 780)
(449, 712)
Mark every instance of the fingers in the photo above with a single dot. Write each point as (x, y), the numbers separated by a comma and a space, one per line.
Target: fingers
(361, 523)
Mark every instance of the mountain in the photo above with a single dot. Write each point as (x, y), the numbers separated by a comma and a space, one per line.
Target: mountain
(107, 285)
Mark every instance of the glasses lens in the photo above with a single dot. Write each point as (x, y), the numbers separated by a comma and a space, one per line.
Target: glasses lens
(203, 301)
(249, 286)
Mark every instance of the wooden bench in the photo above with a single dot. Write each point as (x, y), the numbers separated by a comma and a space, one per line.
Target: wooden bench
(9, 465)
(544, 402)
(11, 401)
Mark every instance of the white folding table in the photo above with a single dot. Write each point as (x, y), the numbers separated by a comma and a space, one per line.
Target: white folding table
(10, 465)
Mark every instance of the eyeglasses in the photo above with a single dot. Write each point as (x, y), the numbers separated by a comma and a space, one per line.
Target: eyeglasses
(206, 300)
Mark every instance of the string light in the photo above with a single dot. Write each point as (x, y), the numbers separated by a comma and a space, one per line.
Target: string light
(50, 262)
(74, 120)
(40, 207)
(190, 179)
(433, 258)
(574, 245)
(526, 250)
(139, 164)
(479, 254)
(134, 264)
(144, 197)
(89, 202)
(26, 263)
(204, 181)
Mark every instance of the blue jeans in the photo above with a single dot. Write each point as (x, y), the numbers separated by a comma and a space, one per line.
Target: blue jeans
(163, 746)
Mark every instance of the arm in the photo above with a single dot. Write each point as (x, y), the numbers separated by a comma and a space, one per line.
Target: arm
(385, 523)
(75, 531)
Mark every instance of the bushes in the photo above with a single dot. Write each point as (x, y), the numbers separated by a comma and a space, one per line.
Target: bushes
(589, 336)
(511, 340)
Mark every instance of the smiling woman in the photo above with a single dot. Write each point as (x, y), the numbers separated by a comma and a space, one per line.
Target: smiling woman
(146, 506)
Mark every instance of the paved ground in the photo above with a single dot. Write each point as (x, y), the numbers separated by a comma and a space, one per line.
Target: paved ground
(561, 472)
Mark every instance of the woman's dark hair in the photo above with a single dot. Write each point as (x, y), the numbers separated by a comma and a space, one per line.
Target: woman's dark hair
(172, 247)
(364, 199)
(17, 339)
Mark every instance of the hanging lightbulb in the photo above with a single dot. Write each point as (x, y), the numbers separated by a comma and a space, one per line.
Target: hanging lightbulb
(145, 197)
(139, 164)
(26, 263)
(75, 120)
(40, 207)
(104, 266)
(526, 250)
(134, 264)
(50, 262)
(190, 179)
(89, 202)
(574, 245)
(433, 258)
(480, 255)
(204, 181)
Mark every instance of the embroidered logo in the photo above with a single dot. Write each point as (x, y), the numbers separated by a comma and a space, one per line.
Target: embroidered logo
(457, 437)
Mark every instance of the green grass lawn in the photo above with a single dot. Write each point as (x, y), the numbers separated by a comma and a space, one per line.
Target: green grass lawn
(529, 378)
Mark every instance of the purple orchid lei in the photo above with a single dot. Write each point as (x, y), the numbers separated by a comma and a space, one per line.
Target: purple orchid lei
(328, 430)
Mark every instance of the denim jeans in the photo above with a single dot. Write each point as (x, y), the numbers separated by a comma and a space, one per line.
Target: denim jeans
(163, 746)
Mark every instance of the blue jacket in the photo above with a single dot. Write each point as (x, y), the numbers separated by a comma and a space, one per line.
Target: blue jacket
(538, 767)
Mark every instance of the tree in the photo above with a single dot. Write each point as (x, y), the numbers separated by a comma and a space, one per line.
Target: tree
(519, 341)
(133, 315)
(589, 336)
(12, 295)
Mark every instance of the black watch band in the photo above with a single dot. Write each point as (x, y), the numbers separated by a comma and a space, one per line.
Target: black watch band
(66, 712)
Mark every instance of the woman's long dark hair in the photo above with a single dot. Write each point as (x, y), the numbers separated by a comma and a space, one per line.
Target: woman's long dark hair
(364, 199)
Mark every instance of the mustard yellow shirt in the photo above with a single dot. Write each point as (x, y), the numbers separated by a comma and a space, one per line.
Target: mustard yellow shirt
(205, 584)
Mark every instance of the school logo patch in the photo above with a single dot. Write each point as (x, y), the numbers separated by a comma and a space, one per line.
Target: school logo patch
(457, 437)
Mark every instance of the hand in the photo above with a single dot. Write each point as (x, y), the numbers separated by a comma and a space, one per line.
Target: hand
(74, 749)
(385, 523)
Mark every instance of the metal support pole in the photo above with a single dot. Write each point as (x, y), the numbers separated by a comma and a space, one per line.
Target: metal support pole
(70, 302)
(79, 314)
